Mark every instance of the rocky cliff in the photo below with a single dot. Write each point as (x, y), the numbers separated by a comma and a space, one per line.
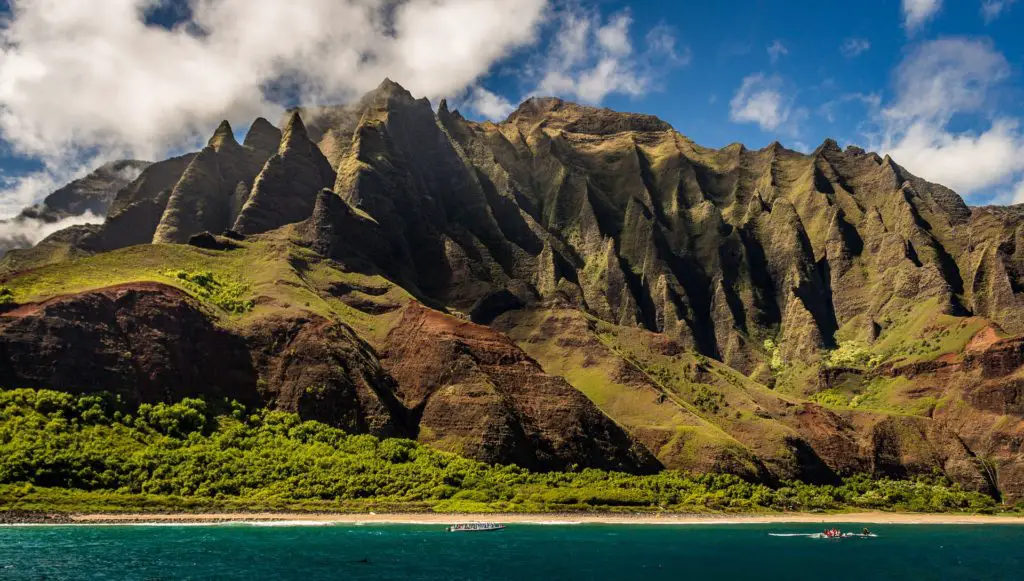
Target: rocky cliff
(571, 286)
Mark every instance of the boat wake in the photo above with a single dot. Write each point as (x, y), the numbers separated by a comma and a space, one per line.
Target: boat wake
(824, 536)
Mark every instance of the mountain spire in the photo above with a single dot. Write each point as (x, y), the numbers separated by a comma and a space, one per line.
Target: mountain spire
(263, 136)
(223, 136)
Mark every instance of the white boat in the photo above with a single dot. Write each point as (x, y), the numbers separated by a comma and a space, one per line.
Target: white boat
(475, 527)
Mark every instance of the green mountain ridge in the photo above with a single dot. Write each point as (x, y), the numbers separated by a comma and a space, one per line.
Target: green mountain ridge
(570, 287)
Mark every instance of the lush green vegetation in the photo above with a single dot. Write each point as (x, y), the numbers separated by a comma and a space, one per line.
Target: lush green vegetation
(6, 296)
(226, 294)
(851, 354)
(776, 363)
(66, 452)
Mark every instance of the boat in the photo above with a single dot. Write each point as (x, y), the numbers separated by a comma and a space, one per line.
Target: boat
(475, 527)
(834, 534)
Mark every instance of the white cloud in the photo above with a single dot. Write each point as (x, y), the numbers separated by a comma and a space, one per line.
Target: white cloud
(1018, 193)
(760, 100)
(918, 12)
(20, 191)
(966, 162)
(661, 41)
(90, 81)
(614, 36)
(26, 233)
(992, 9)
(853, 47)
(871, 100)
(776, 50)
(943, 77)
(937, 82)
(591, 57)
(488, 104)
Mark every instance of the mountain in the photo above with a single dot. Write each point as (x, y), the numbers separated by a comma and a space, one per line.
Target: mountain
(572, 286)
(90, 195)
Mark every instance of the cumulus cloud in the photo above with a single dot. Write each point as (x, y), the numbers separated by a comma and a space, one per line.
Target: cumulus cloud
(488, 104)
(776, 50)
(853, 47)
(936, 83)
(760, 100)
(917, 12)
(94, 81)
(966, 162)
(588, 57)
(591, 57)
(27, 232)
(992, 9)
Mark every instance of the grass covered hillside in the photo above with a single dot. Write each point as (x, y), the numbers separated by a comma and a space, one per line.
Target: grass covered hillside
(60, 452)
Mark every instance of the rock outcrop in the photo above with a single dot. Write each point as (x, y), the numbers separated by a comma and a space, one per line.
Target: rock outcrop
(208, 195)
(476, 393)
(285, 190)
(151, 343)
(146, 343)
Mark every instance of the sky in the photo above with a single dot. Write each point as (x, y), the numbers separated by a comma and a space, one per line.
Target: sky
(935, 83)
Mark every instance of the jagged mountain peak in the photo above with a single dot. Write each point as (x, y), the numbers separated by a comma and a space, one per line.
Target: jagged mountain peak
(556, 113)
(829, 145)
(263, 135)
(294, 134)
(223, 137)
(388, 93)
(735, 147)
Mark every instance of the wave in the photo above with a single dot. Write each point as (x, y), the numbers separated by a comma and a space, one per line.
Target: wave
(285, 523)
(549, 523)
(280, 523)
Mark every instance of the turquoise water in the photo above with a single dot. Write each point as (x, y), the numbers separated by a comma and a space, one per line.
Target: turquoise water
(647, 553)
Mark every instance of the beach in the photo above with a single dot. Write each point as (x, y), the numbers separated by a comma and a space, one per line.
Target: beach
(548, 518)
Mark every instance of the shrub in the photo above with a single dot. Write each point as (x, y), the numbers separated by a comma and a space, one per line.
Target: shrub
(776, 363)
(226, 294)
(6, 296)
(175, 420)
(851, 354)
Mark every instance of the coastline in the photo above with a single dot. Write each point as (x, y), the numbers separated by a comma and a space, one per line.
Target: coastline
(538, 518)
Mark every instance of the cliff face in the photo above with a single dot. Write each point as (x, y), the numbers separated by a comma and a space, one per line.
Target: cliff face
(478, 394)
(569, 286)
(625, 218)
(285, 189)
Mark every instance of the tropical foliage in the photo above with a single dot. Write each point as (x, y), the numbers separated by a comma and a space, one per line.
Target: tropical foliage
(67, 452)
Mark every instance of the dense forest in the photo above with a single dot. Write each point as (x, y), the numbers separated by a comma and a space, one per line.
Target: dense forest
(61, 452)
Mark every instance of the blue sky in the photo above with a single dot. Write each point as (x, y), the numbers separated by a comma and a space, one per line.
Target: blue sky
(937, 83)
(833, 69)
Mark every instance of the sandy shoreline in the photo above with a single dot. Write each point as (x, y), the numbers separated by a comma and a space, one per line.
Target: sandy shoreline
(571, 518)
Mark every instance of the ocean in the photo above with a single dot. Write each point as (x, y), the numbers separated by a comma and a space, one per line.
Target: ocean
(301, 551)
